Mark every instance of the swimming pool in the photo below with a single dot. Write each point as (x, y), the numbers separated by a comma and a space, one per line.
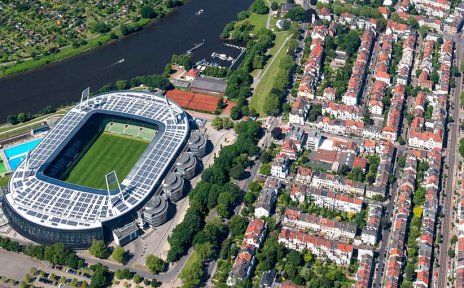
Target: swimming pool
(16, 154)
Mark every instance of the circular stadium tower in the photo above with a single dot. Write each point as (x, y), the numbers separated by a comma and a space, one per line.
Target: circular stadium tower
(197, 144)
(103, 160)
(187, 165)
(173, 185)
(155, 211)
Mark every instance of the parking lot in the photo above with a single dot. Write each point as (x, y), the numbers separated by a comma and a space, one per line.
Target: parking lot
(16, 266)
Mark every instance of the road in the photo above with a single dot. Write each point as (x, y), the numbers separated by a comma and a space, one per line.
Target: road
(450, 183)
(388, 212)
(268, 21)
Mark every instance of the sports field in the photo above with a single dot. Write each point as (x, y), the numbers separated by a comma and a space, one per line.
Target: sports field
(109, 152)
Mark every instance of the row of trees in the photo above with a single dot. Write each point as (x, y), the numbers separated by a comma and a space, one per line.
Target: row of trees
(55, 254)
(152, 81)
(101, 251)
(219, 72)
(125, 274)
(206, 245)
(23, 117)
(59, 255)
(273, 105)
(222, 123)
(214, 189)
(146, 12)
(239, 81)
(461, 146)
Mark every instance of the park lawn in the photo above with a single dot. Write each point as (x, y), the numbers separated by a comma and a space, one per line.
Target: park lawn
(279, 40)
(109, 152)
(259, 21)
(265, 85)
(2, 167)
(192, 259)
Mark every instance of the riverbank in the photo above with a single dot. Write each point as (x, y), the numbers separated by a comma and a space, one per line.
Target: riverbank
(68, 52)
(145, 53)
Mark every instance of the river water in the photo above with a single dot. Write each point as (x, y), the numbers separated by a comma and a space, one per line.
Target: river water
(145, 52)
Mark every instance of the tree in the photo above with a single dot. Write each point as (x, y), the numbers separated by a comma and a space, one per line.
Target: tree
(461, 147)
(124, 29)
(401, 140)
(434, 77)
(154, 264)
(294, 258)
(235, 113)
(343, 170)
(12, 119)
(316, 110)
(98, 249)
(227, 123)
(122, 84)
(276, 133)
(119, 254)
(226, 202)
(204, 250)
(451, 253)
(237, 171)
(137, 279)
(242, 15)
(297, 14)
(99, 276)
(217, 123)
(349, 42)
(123, 274)
(148, 12)
(22, 117)
(265, 169)
(356, 174)
(259, 7)
(274, 6)
(237, 225)
(100, 27)
(191, 274)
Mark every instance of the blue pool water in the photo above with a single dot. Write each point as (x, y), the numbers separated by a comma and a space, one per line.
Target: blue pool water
(16, 154)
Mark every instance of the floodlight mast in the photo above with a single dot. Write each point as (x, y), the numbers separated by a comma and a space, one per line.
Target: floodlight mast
(174, 117)
(110, 205)
(112, 178)
(84, 97)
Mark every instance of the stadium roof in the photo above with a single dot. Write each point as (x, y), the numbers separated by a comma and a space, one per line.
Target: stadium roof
(54, 203)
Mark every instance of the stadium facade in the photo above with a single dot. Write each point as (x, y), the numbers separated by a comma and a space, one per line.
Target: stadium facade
(49, 210)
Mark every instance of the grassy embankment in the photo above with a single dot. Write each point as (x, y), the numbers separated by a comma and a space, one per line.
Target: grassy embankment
(268, 78)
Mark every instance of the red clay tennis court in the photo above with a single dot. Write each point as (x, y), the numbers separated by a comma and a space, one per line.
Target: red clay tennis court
(194, 101)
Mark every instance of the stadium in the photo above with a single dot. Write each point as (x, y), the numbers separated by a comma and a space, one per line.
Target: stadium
(100, 163)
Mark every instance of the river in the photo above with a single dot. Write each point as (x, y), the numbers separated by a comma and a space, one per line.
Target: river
(144, 52)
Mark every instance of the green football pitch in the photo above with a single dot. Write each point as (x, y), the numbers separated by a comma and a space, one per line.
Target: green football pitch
(109, 152)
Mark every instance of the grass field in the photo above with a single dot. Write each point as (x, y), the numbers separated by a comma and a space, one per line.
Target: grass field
(2, 167)
(109, 152)
(259, 21)
(265, 85)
